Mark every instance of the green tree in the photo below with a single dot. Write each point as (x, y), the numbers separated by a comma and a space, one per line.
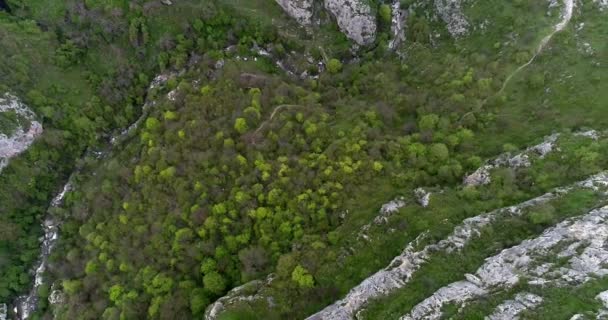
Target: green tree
(214, 282)
(385, 13)
(198, 301)
(439, 152)
(334, 66)
(302, 277)
(240, 125)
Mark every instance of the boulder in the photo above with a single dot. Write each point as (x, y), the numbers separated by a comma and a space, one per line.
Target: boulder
(300, 10)
(355, 19)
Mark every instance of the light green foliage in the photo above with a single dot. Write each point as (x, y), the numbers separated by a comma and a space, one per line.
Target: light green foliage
(91, 267)
(377, 166)
(168, 173)
(170, 115)
(71, 287)
(208, 266)
(302, 277)
(213, 191)
(542, 215)
(385, 13)
(334, 66)
(240, 125)
(115, 292)
(152, 124)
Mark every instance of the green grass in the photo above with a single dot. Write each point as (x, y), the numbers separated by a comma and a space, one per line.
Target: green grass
(558, 302)
(444, 268)
(9, 122)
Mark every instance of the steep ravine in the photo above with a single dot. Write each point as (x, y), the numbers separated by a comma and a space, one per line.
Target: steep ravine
(25, 305)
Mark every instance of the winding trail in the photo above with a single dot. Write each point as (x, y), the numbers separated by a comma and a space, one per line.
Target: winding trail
(566, 17)
(274, 113)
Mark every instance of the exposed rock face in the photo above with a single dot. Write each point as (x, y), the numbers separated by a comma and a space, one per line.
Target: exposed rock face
(21, 139)
(355, 19)
(390, 208)
(510, 309)
(591, 134)
(56, 297)
(397, 24)
(423, 197)
(3, 311)
(395, 276)
(399, 272)
(482, 175)
(585, 239)
(247, 292)
(386, 211)
(451, 13)
(27, 304)
(300, 10)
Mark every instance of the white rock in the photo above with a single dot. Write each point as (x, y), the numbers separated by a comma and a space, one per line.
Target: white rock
(423, 196)
(3, 311)
(451, 13)
(56, 297)
(506, 269)
(603, 4)
(482, 175)
(300, 10)
(510, 309)
(236, 295)
(21, 139)
(603, 297)
(385, 212)
(394, 276)
(400, 270)
(392, 206)
(591, 134)
(398, 17)
(355, 19)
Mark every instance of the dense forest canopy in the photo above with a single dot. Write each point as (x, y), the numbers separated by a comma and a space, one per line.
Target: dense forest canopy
(213, 145)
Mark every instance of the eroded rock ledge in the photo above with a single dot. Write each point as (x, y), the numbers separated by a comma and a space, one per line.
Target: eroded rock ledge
(584, 239)
(354, 17)
(22, 137)
(400, 271)
(300, 10)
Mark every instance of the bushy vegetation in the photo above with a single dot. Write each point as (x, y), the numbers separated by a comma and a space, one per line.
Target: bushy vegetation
(239, 170)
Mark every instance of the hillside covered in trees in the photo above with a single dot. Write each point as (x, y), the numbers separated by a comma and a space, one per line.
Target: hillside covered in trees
(295, 159)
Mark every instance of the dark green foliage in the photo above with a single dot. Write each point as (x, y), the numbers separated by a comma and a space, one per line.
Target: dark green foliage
(247, 171)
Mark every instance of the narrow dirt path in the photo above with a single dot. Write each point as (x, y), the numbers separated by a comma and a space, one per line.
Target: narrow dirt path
(274, 113)
(566, 17)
